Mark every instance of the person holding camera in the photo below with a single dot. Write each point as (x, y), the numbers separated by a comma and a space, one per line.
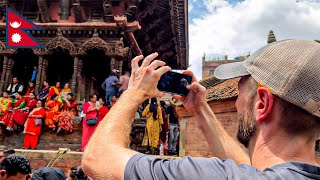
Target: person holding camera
(278, 114)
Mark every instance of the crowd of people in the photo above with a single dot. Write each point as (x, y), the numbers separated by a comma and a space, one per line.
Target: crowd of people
(53, 107)
(56, 108)
(17, 167)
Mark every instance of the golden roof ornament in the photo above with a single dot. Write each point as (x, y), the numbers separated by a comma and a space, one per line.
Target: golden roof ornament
(271, 37)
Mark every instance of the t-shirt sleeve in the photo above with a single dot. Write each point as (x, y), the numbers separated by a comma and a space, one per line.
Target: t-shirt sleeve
(115, 80)
(142, 166)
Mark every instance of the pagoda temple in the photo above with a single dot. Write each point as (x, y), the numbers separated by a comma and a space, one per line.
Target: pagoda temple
(85, 39)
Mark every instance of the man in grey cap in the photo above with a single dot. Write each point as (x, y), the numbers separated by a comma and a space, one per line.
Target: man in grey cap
(279, 121)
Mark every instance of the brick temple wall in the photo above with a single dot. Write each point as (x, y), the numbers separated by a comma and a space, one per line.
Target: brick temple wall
(40, 158)
(192, 138)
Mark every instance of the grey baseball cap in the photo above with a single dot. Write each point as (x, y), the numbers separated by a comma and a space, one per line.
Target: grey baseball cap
(289, 68)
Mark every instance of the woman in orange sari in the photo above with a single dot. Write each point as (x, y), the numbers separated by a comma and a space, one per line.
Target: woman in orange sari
(21, 115)
(69, 110)
(54, 90)
(52, 108)
(32, 127)
(65, 91)
(17, 103)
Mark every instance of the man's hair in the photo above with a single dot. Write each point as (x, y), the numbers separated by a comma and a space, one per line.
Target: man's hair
(91, 96)
(77, 173)
(298, 121)
(295, 121)
(14, 164)
(8, 152)
(53, 96)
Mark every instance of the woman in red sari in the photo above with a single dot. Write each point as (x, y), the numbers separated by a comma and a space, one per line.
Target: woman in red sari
(30, 89)
(91, 111)
(52, 111)
(32, 127)
(21, 115)
(69, 110)
(102, 111)
(17, 103)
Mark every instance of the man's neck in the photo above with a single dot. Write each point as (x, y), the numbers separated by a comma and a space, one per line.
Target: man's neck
(279, 149)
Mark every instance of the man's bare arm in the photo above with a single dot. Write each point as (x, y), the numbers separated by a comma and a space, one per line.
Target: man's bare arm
(120, 81)
(108, 145)
(220, 143)
(106, 154)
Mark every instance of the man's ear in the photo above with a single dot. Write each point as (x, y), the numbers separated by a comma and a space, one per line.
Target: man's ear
(264, 104)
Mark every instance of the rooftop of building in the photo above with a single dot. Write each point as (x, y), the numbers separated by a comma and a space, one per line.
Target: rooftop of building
(218, 89)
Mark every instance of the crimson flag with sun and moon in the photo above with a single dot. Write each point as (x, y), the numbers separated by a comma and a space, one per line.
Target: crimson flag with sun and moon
(16, 31)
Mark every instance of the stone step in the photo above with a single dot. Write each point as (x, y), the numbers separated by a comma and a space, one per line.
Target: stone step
(48, 139)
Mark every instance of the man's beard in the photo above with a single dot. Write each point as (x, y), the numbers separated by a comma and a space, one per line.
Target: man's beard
(246, 127)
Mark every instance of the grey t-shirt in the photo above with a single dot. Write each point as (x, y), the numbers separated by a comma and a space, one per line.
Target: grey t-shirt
(141, 166)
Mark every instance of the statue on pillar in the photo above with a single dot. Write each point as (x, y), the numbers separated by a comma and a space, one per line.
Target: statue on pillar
(107, 9)
(43, 14)
(119, 47)
(65, 6)
(3, 5)
(77, 12)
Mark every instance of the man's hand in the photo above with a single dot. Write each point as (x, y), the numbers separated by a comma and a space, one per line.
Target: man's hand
(144, 79)
(196, 97)
(117, 128)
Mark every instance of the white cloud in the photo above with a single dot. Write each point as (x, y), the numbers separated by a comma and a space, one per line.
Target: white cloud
(190, 7)
(213, 5)
(243, 27)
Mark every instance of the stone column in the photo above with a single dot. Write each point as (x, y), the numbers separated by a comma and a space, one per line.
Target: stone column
(10, 70)
(3, 75)
(8, 75)
(120, 64)
(44, 70)
(40, 67)
(75, 70)
(79, 81)
(113, 63)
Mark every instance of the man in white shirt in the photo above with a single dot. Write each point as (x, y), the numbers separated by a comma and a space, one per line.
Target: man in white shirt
(123, 82)
(15, 87)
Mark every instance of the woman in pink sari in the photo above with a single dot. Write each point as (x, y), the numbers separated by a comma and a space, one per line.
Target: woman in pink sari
(90, 121)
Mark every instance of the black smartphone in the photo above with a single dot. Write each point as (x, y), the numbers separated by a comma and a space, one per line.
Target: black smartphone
(175, 83)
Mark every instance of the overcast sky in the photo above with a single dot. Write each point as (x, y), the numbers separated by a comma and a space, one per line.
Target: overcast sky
(236, 27)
